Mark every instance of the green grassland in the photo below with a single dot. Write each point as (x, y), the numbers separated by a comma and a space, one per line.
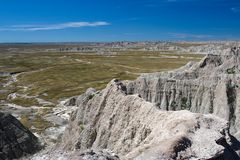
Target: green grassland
(55, 76)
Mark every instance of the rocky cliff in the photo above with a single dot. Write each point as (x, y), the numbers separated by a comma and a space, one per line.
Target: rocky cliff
(210, 86)
(15, 139)
(136, 129)
(182, 114)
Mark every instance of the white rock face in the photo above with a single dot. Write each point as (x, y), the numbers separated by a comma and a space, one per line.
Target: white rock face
(210, 86)
(75, 155)
(136, 129)
(150, 118)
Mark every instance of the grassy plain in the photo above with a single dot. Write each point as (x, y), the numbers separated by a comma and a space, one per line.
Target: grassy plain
(55, 76)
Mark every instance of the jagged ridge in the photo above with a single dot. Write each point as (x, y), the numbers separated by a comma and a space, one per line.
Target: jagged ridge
(136, 129)
(210, 86)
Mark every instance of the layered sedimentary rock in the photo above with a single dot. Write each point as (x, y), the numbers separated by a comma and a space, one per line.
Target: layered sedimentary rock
(15, 139)
(210, 86)
(182, 114)
(136, 129)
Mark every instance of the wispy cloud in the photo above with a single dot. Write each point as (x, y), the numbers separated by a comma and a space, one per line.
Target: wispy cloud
(235, 9)
(189, 36)
(53, 26)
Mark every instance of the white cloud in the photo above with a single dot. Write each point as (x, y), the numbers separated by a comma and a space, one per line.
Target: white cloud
(53, 26)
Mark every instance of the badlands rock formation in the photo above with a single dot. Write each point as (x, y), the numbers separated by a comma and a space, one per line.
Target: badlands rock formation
(15, 139)
(152, 117)
(136, 129)
(75, 155)
(211, 86)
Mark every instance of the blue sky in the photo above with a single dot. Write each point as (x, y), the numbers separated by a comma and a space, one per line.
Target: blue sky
(118, 20)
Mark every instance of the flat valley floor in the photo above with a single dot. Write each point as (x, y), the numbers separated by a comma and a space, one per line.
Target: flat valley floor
(33, 83)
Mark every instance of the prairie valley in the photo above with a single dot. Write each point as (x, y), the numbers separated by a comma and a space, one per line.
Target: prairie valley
(35, 78)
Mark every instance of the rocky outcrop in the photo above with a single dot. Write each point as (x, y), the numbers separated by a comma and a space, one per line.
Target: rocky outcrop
(210, 86)
(15, 139)
(181, 114)
(136, 129)
(93, 155)
(90, 154)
